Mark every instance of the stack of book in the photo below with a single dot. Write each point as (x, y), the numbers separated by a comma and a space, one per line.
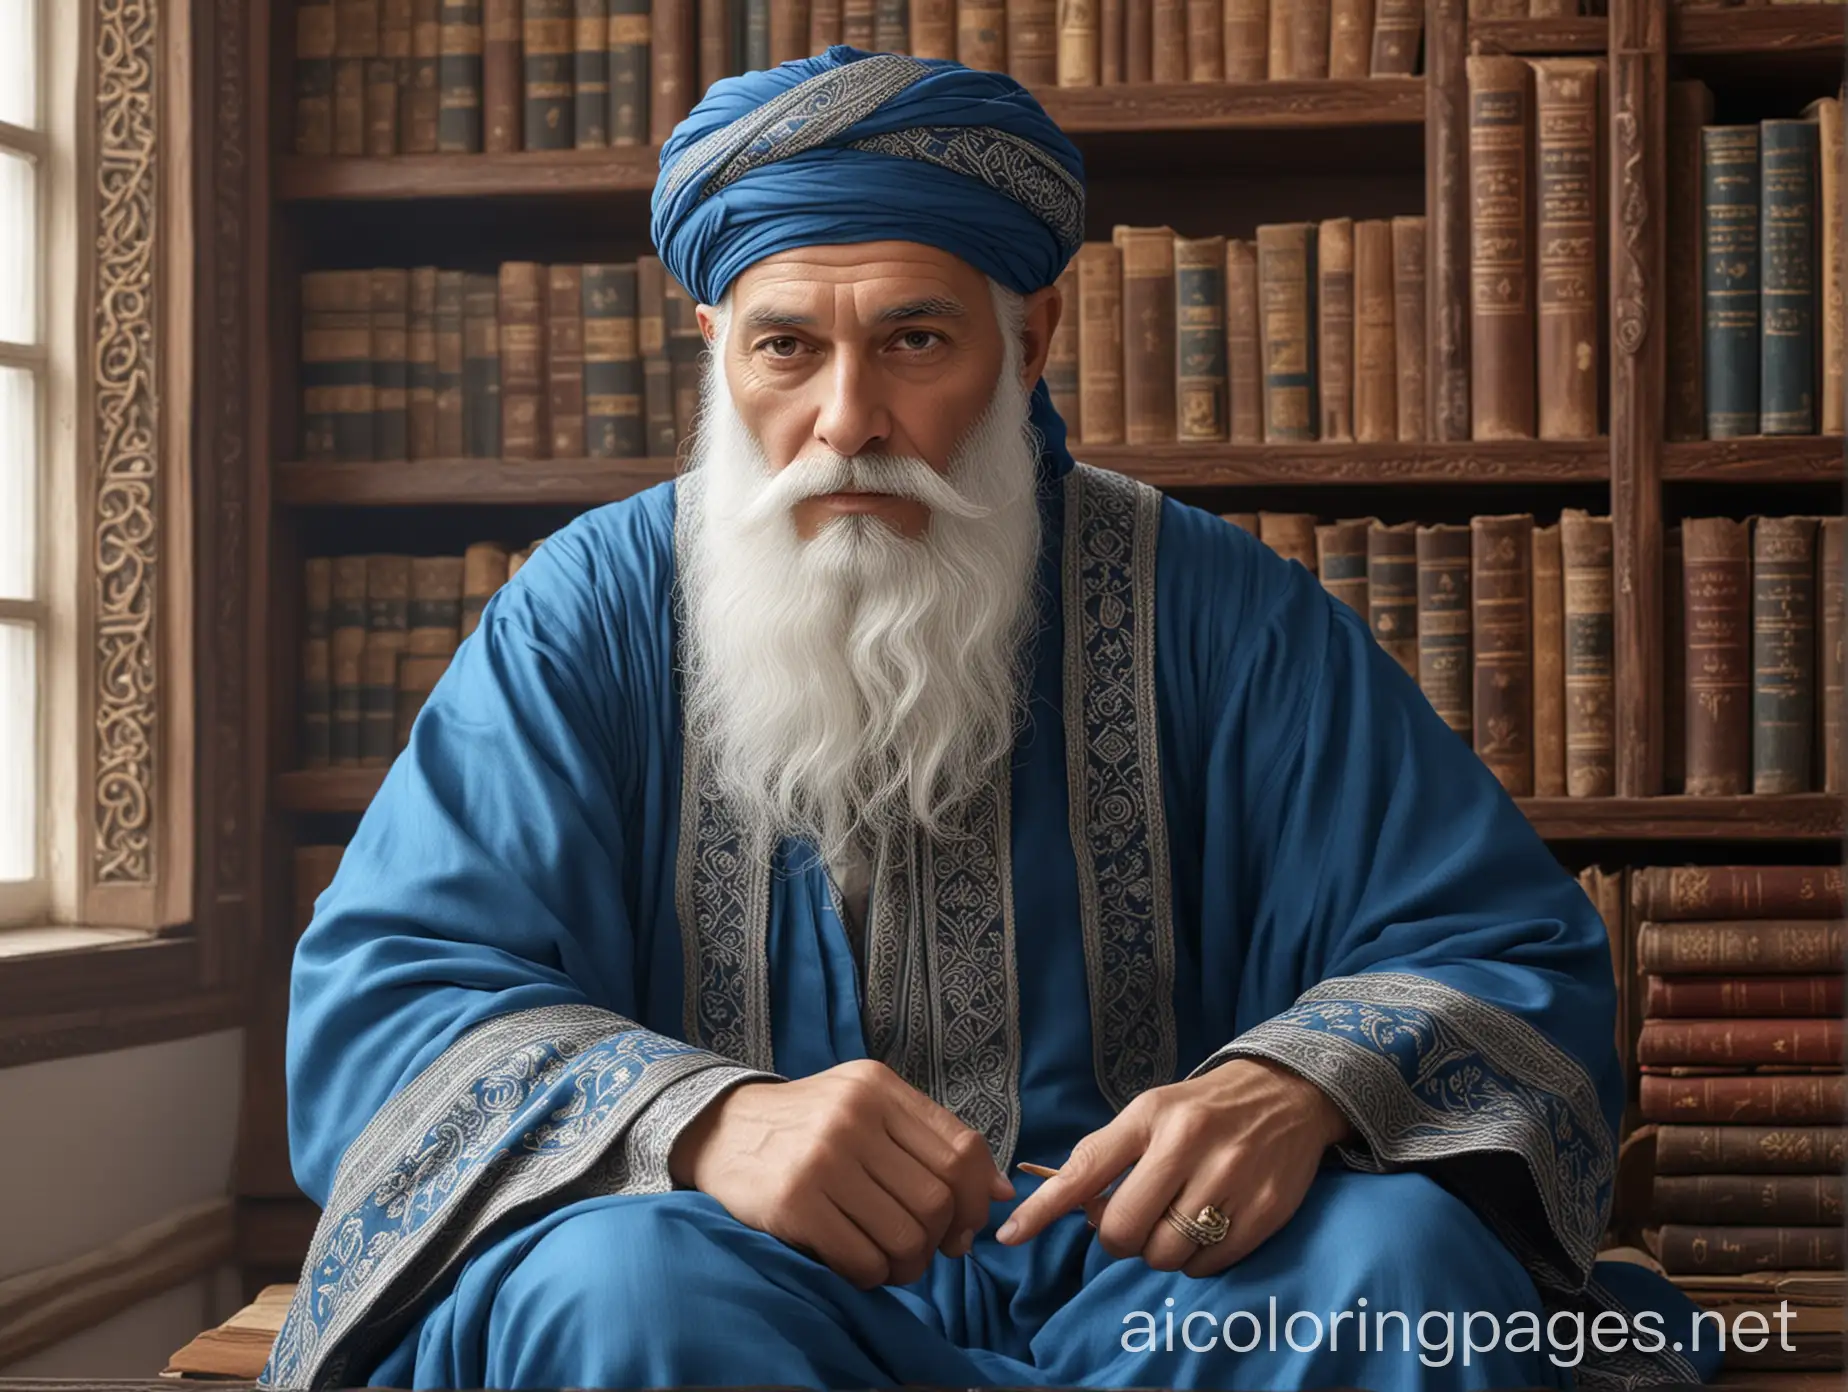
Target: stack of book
(1741, 1058)
(1754, 685)
(1505, 625)
(1307, 332)
(535, 362)
(378, 633)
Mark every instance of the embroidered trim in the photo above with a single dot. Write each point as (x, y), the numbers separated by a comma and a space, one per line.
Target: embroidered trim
(1015, 168)
(1113, 769)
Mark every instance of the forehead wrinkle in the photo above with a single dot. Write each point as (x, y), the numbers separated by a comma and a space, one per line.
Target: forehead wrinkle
(770, 317)
(930, 307)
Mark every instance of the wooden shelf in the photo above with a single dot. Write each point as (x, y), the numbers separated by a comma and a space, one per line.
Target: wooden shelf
(426, 481)
(1757, 29)
(1758, 459)
(1577, 34)
(629, 169)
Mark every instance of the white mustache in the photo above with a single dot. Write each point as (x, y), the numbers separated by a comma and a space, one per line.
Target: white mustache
(901, 476)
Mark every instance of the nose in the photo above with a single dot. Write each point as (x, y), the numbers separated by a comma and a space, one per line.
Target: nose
(853, 416)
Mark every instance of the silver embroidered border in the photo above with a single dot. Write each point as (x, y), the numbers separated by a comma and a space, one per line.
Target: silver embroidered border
(1113, 770)
(1015, 168)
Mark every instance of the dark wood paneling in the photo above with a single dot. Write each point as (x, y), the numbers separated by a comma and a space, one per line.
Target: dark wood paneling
(1766, 459)
(1577, 34)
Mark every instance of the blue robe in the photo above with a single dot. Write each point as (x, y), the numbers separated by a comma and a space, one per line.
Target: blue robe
(500, 1016)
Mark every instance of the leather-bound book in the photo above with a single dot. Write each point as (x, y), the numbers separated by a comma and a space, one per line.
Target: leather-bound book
(1549, 665)
(892, 24)
(1827, 114)
(451, 390)
(1569, 205)
(484, 570)
(481, 367)
(788, 30)
(1783, 653)
(1138, 34)
(420, 103)
(631, 71)
(1398, 26)
(1206, 39)
(522, 360)
(981, 34)
(1286, 294)
(315, 695)
(1743, 998)
(1692, 1150)
(1755, 1101)
(684, 344)
(1501, 623)
(1686, 1250)
(1674, 665)
(314, 77)
(1100, 343)
(418, 674)
(1334, 330)
(1753, 1200)
(1033, 42)
(1605, 890)
(1787, 246)
(1590, 671)
(503, 83)
(347, 645)
(1200, 337)
(356, 44)
(1291, 535)
(1376, 368)
(1741, 1042)
(1062, 356)
(1341, 561)
(1501, 260)
(1148, 333)
(391, 303)
(1244, 521)
(564, 361)
(1690, 106)
(824, 25)
(590, 74)
(615, 427)
(1168, 41)
(1245, 40)
(1077, 57)
(657, 372)
(858, 20)
(718, 56)
(387, 78)
(1299, 38)
(1669, 894)
(1350, 38)
(1730, 278)
(436, 604)
(458, 77)
(1830, 656)
(336, 371)
(1408, 325)
(933, 28)
(1717, 566)
(754, 49)
(1392, 591)
(1754, 947)
(388, 600)
(1445, 664)
(672, 58)
(1244, 363)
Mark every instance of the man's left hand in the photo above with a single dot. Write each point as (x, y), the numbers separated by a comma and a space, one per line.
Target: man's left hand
(1246, 1138)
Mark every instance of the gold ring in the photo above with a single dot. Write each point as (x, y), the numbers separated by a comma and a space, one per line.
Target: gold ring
(1208, 1227)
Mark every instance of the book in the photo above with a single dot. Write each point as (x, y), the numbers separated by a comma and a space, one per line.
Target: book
(1244, 521)
(892, 25)
(522, 335)
(484, 570)
(1061, 372)
(1376, 371)
(1827, 114)
(1341, 562)
(548, 58)
(1077, 52)
(1138, 30)
(315, 695)
(1408, 324)
(564, 362)
(1549, 676)
(615, 427)
(1717, 561)
(1398, 27)
(1749, 1150)
(390, 294)
(434, 614)
(787, 26)
(1392, 591)
(1736, 1041)
(1149, 335)
(420, 365)
(1674, 665)
(1690, 107)
(1570, 358)
(1730, 279)
(1299, 32)
(388, 595)
(502, 80)
(420, 101)
(1815, 1100)
(1032, 41)
(1830, 655)
(631, 65)
(933, 28)
(346, 644)
(1748, 1199)
(1445, 670)
(1291, 535)
(1501, 584)
(356, 44)
(981, 35)
(1723, 947)
(1783, 653)
(657, 372)
(481, 367)
(1713, 1248)
(1334, 331)
(824, 26)
(1787, 283)
(672, 57)
(1286, 299)
(1168, 41)
(1200, 338)
(590, 74)
(1244, 361)
(1205, 41)
(338, 392)
(684, 345)
(385, 78)
(1350, 38)
(451, 393)
(1100, 343)
(1698, 997)
(1501, 294)
(1244, 40)
(314, 77)
(858, 21)
(1589, 654)
(458, 77)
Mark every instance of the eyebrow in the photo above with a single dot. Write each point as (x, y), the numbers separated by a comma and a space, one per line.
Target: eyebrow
(932, 307)
(765, 318)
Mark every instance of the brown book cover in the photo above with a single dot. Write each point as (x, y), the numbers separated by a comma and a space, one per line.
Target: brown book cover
(522, 361)
(1733, 1041)
(1299, 33)
(1244, 365)
(1549, 671)
(502, 84)
(1291, 535)
(1445, 668)
(1830, 656)
(1078, 35)
(547, 59)
(1569, 205)
(1674, 665)
(315, 696)
(1205, 41)
(481, 366)
(632, 71)
(346, 645)
(1244, 521)
(1724, 947)
(435, 615)
(356, 45)
(657, 372)
(715, 30)
(789, 30)
(1669, 894)
(451, 396)
(616, 424)
(933, 28)
(1062, 357)
(1706, 1250)
(1690, 106)
(1750, 1150)
(1769, 997)
(1501, 292)
(1334, 329)
(336, 367)
(1398, 25)
(1408, 325)
(1813, 1100)
(1138, 30)
(1748, 1199)
(1717, 566)
(1286, 297)
(892, 24)
(1148, 333)
(981, 35)
(1392, 591)
(1498, 9)
(1168, 41)
(1033, 41)
(391, 303)
(1100, 344)
(590, 74)
(671, 58)
(388, 79)
(1501, 623)
(1590, 657)
(1350, 38)
(1783, 653)
(1200, 338)
(684, 344)
(484, 570)
(1605, 890)
(858, 21)
(314, 77)
(388, 594)
(1827, 113)
(1245, 41)
(564, 361)
(420, 366)
(1376, 367)
(420, 102)
(1341, 561)
(458, 77)
(824, 25)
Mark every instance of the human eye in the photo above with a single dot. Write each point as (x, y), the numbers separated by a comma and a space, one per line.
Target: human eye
(919, 340)
(780, 346)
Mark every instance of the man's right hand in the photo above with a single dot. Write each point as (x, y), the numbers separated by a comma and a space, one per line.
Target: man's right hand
(854, 1166)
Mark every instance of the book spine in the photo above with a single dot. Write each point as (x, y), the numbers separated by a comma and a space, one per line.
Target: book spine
(1244, 370)
(1138, 32)
(1501, 623)
(825, 25)
(613, 386)
(1205, 46)
(1498, 9)
(388, 593)
(1678, 893)
(1033, 42)
(933, 28)
(356, 45)
(1765, 997)
(1244, 40)
(1200, 337)
(319, 358)
(858, 21)
(1741, 1042)
(1767, 947)
(1350, 38)
(341, 391)
(755, 50)
(1334, 329)
(564, 361)
(1590, 671)
(1376, 368)
(717, 58)
(788, 23)
(1168, 41)
(892, 24)
(522, 360)
(314, 77)
(1830, 655)
(1549, 665)
(419, 96)
(316, 694)
(1750, 1150)
(684, 343)
(1392, 592)
(1786, 241)
(1062, 373)
(1398, 26)
(1501, 297)
(1286, 279)
(1077, 57)
(1797, 1099)
(458, 77)
(392, 83)
(1830, 306)
(981, 34)
(1605, 890)
(1570, 360)
(1148, 356)
(1244, 521)
(1299, 34)
(1716, 559)
(1731, 1251)
(1291, 535)
(590, 74)
(1690, 106)
(672, 56)
(347, 644)
(1747, 1199)
(1444, 637)
(657, 373)
(502, 87)
(1730, 279)
(1783, 653)
(1341, 562)
(1408, 325)
(484, 570)
(450, 376)
(436, 605)
(391, 302)
(1100, 344)
(481, 367)
(1674, 665)
(631, 64)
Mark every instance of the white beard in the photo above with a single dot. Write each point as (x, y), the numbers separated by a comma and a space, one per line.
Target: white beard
(862, 681)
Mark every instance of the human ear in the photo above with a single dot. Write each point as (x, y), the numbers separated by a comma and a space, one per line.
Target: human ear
(708, 321)
(1043, 310)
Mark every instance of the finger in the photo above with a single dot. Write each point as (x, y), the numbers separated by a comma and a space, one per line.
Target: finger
(926, 1197)
(1257, 1218)
(962, 1162)
(1167, 1247)
(900, 1238)
(835, 1240)
(1096, 1160)
(1133, 1217)
(952, 1145)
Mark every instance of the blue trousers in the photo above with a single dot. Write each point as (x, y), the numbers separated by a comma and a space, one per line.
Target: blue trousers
(665, 1290)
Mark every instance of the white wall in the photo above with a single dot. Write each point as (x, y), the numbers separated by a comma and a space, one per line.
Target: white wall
(92, 1148)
